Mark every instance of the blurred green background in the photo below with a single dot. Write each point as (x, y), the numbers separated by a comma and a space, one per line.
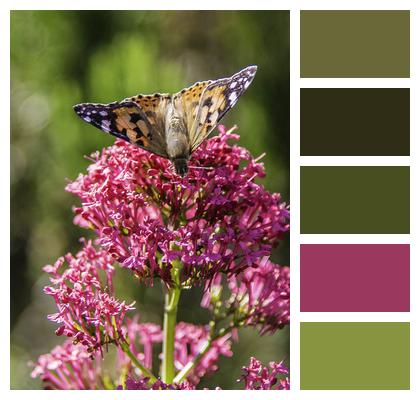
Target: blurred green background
(60, 58)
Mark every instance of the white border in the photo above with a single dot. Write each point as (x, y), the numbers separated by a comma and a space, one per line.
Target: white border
(355, 161)
(214, 5)
(294, 198)
(411, 161)
(296, 160)
(5, 200)
(355, 83)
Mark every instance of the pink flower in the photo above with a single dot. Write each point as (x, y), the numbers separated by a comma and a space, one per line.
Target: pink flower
(212, 226)
(143, 384)
(68, 366)
(141, 337)
(87, 310)
(257, 377)
(55, 368)
(189, 340)
(217, 219)
(259, 296)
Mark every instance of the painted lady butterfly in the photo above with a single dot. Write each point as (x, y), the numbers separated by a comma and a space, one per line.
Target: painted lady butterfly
(171, 126)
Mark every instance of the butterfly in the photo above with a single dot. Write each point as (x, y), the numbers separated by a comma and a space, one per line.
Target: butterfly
(170, 125)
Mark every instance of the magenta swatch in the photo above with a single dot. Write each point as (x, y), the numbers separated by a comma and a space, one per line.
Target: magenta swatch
(354, 277)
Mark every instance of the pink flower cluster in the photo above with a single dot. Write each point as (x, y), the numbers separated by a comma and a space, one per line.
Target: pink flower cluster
(68, 366)
(143, 384)
(189, 339)
(217, 219)
(216, 227)
(264, 295)
(58, 368)
(87, 310)
(259, 296)
(141, 337)
(257, 377)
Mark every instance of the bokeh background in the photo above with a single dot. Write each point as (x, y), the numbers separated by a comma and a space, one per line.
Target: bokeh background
(62, 58)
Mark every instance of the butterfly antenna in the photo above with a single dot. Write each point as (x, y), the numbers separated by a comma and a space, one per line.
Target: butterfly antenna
(197, 167)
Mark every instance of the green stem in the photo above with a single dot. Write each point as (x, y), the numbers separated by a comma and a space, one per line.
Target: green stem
(169, 323)
(126, 349)
(203, 351)
(145, 371)
(206, 347)
(191, 365)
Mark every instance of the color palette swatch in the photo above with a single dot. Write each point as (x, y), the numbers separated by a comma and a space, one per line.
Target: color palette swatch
(355, 122)
(355, 199)
(366, 196)
(355, 355)
(368, 43)
(355, 277)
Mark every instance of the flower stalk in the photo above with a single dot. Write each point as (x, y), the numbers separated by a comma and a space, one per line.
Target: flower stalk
(191, 365)
(183, 374)
(145, 371)
(169, 323)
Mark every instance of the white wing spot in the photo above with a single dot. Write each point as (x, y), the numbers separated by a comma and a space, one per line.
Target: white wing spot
(87, 119)
(105, 124)
(103, 113)
(233, 85)
(233, 97)
(247, 83)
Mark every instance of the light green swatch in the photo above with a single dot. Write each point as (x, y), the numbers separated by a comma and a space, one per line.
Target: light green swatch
(355, 355)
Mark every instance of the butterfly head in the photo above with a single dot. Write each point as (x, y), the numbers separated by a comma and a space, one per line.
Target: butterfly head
(181, 166)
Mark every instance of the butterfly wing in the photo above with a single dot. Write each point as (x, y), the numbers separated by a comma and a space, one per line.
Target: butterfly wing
(138, 120)
(154, 107)
(187, 102)
(216, 100)
(141, 119)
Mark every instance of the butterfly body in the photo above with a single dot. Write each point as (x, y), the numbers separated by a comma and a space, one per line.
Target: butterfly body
(177, 143)
(171, 126)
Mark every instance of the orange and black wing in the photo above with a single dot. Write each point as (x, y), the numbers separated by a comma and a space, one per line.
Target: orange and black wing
(138, 120)
(216, 100)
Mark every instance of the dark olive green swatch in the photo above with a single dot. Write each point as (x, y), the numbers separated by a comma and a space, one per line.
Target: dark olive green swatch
(355, 199)
(355, 122)
(362, 44)
(355, 355)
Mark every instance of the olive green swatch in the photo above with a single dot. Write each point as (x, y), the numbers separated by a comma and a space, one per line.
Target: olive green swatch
(355, 355)
(355, 199)
(355, 122)
(355, 44)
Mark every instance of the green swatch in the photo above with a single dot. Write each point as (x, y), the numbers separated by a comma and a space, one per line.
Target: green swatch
(355, 122)
(355, 355)
(362, 44)
(355, 199)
